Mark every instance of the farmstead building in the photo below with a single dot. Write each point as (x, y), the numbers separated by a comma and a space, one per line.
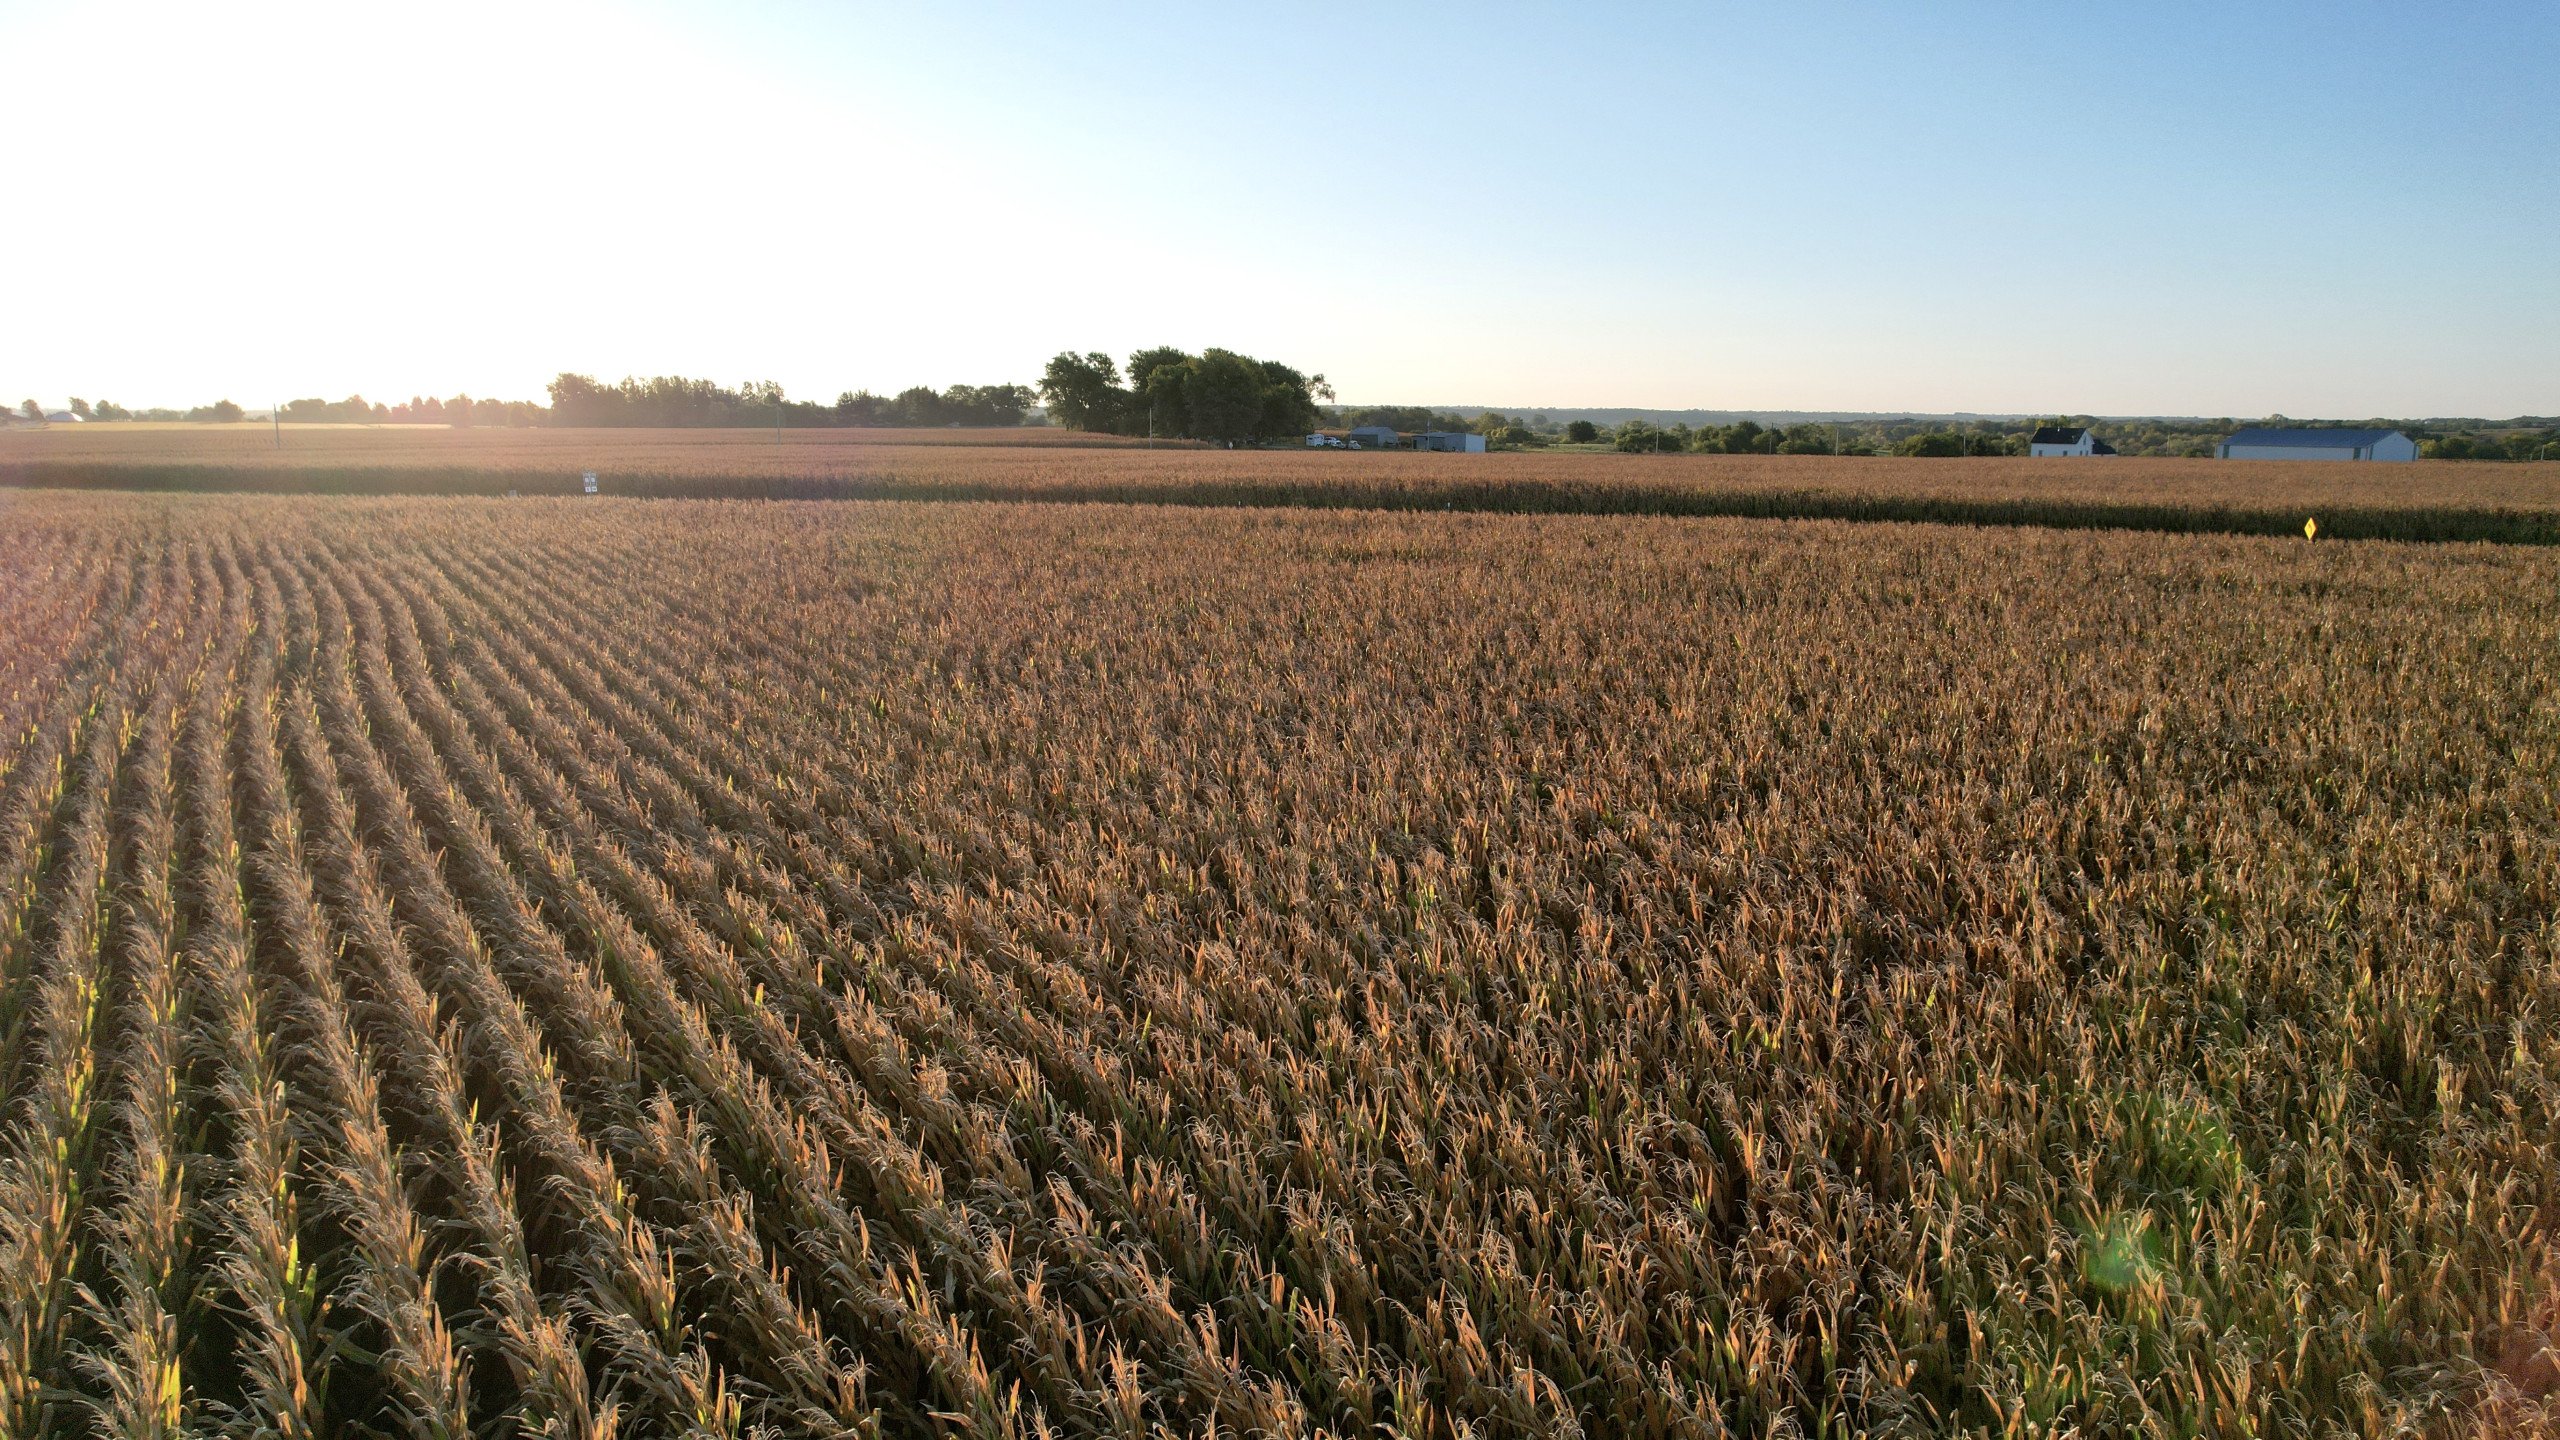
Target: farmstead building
(1459, 442)
(2255, 444)
(2064, 440)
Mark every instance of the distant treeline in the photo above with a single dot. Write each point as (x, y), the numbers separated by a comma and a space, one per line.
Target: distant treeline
(1221, 396)
(2524, 438)
(219, 412)
(672, 401)
(1742, 437)
(460, 410)
(2511, 445)
(663, 401)
(964, 405)
(1216, 395)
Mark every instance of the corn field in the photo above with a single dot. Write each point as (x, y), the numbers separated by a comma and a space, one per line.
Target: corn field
(716, 969)
(2427, 501)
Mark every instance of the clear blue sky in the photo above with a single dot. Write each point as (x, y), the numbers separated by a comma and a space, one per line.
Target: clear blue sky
(2332, 210)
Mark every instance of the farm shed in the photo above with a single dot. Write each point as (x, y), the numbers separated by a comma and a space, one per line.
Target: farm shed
(1375, 437)
(1457, 442)
(2257, 444)
(2065, 440)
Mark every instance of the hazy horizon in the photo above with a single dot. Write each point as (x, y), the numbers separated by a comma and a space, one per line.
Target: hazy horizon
(1986, 209)
(263, 413)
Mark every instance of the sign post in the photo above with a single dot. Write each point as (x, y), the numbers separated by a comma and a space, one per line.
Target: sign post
(590, 480)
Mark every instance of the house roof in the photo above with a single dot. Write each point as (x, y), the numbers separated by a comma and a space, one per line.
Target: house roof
(2058, 435)
(2309, 439)
(2100, 447)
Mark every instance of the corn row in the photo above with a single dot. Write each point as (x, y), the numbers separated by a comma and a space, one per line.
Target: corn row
(1051, 1343)
(46, 1157)
(260, 1282)
(1164, 1329)
(381, 1267)
(137, 1358)
(817, 1389)
(949, 1360)
(629, 1289)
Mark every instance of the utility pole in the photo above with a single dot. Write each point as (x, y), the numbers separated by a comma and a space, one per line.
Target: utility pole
(275, 416)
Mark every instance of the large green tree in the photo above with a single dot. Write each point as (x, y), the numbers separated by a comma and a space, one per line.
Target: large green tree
(1215, 395)
(1289, 400)
(1082, 392)
(1160, 381)
(1225, 391)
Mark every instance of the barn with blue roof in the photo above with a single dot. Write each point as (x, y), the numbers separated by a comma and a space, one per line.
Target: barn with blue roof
(2266, 444)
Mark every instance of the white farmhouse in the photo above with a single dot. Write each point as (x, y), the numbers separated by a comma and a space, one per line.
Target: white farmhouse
(2065, 440)
(2255, 444)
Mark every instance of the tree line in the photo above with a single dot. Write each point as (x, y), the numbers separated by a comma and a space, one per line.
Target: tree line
(1216, 395)
(1743, 437)
(460, 411)
(219, 411)
(1221, 396)
(920, 406)
(674, 401)
(2524, 438)
(664, 401)
(2541, 444)
(1906, 437)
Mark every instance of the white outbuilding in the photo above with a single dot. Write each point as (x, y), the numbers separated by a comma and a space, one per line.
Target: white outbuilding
(2258, 444)
(1458, 442)
(2067, 440)
(1374, 437)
